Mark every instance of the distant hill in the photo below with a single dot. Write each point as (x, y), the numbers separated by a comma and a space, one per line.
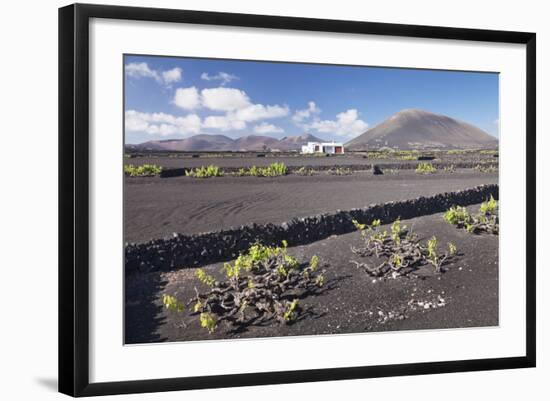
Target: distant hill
(254, 142)
(418, 129)
(212, 143)
(296, 142)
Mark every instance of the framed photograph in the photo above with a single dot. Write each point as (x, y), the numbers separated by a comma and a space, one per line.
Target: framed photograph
(251, 199)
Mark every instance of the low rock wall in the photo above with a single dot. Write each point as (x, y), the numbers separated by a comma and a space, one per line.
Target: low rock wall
(183, 250)
(177, 172)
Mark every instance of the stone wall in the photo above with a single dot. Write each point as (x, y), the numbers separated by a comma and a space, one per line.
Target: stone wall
(176, 172)
(182, 250)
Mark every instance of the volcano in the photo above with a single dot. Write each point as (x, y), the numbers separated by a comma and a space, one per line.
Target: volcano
(419, 129)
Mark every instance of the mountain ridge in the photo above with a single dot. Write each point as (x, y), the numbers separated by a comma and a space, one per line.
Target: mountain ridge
(406, 129)
(207, 142)
(420, 129)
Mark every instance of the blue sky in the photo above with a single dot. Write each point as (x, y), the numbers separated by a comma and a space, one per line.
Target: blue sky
(171, 97)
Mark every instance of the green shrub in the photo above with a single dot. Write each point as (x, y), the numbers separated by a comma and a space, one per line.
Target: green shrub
(452, 248)
(456, 152)
(205, 172)
(241, 173)
(172, 303)
(208, 321)
(377, 155)
(339, 171)
(425, 168)
(254, 171)
(145, 170)
(489, 207)
(449, 169)
(397, 231)
(205, 278)
(457, 216)
(304, 171)
(413, 152)
(261, 285)
(486, 168)
(486, 221)
(290, 314)
(273, 170)
(397, 254)
(432, 249)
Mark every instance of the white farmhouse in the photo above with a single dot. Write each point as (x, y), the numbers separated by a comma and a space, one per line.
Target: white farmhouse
(330, 148)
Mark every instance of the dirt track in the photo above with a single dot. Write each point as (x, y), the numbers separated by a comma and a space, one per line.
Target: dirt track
(352, 302)
(157, 207)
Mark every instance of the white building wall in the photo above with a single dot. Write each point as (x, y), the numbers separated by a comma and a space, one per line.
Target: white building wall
(323, 147)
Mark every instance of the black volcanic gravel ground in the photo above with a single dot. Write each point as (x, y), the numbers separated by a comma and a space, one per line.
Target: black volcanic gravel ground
(466, 295)
(157, 207)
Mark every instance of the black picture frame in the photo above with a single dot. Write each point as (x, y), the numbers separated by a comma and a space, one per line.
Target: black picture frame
(74, 198)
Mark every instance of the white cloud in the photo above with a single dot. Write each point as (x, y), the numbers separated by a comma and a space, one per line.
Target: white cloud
(162, 130)
(171, 76)
(135, 122)
(224, 123)
(256, 112)
(265, 128)
(139, 70)
(161, 123)
(347, 124)
(142, 70)
(224, 99)
(187, 98)
(224, 77)
(301, 115)
(239, 110)
(236, 105)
